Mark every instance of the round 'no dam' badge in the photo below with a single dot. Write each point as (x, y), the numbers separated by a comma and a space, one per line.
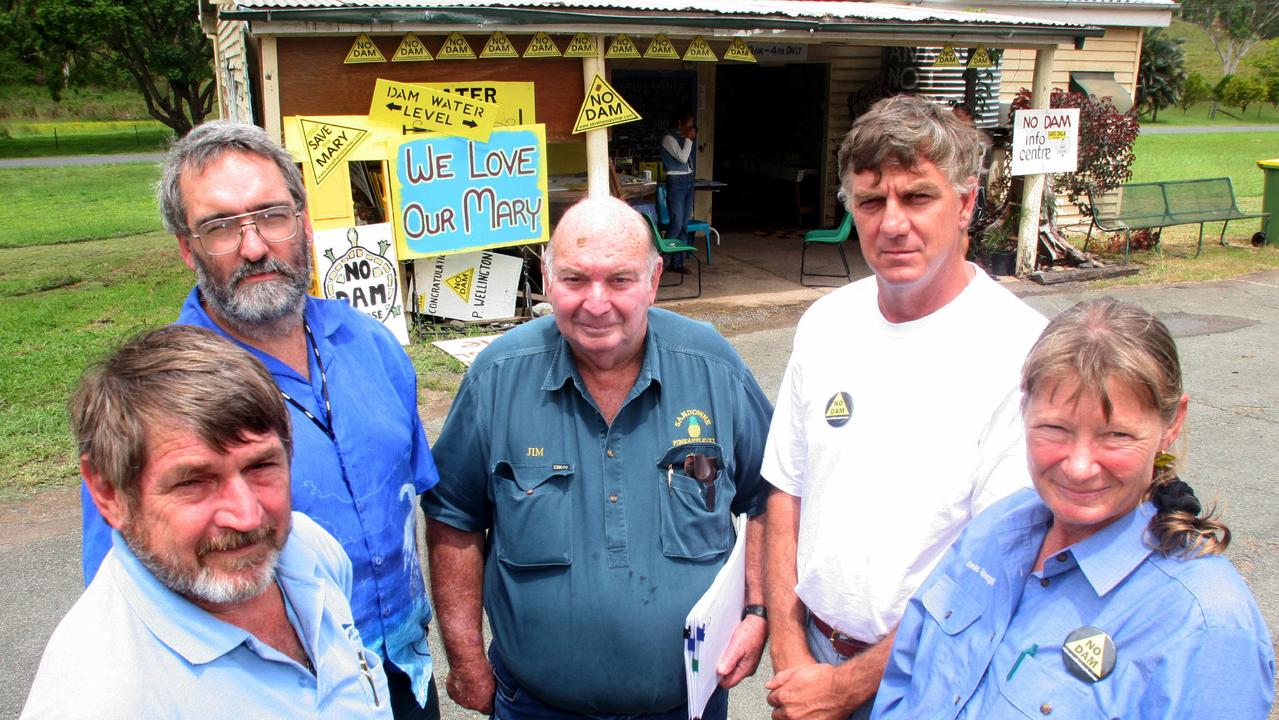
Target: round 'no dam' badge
(1089, 654)
(838, 409)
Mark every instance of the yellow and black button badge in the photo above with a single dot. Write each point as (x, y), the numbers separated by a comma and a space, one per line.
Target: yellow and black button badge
(838, 409)
(1089, 654)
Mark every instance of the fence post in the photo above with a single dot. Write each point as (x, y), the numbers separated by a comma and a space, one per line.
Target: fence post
(55, 138)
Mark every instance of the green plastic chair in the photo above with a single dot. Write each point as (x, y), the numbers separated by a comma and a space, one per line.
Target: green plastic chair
(670, 246)
(827, 236)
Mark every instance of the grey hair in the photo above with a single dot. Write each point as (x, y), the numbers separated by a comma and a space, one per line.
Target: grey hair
(204, 145)
(603, 215)
(904, 128)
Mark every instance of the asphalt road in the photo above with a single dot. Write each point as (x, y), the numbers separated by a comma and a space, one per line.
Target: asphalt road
(1227, 333)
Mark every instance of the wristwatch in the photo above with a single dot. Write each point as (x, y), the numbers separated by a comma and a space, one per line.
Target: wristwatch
(759, 610)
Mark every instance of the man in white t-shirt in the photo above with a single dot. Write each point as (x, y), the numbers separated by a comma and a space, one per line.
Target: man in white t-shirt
(898, 416)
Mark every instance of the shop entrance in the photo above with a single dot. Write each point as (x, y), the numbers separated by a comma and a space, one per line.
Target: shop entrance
(657, 96)
(770, 130)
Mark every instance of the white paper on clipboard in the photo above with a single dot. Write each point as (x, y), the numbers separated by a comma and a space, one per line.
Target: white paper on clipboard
(711, 622)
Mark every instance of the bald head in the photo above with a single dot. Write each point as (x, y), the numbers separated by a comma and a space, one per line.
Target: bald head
(601, 219)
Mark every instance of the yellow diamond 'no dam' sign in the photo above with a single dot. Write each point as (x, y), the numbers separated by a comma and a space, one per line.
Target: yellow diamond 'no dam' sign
(699, 51)
(582, 45)
(455, 48)
(980, 58)
(739, 51)
(541, 46)
(499, 46)
(461, 283)
(411, 50)
(603, 107)
(660, 48)
(327, 144)
(622, 47)
(363, 51)
(947, 57)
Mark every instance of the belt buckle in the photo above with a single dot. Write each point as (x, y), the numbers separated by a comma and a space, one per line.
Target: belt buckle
(839, 637)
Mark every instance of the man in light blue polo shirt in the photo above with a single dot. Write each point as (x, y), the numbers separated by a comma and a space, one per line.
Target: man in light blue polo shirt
(214, 601)
(603, 451)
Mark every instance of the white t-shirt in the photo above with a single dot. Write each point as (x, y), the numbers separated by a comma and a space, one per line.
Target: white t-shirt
(894, 436)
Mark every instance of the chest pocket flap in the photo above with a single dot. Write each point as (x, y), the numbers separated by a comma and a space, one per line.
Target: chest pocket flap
(696, 520)
(533, 514)
(950, 606)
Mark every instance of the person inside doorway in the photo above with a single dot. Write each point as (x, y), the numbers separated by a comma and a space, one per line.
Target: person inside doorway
(679, 158)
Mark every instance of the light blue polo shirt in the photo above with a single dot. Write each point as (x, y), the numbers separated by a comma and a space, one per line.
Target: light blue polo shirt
(600, 544)
(132, 648)
(1190, 640)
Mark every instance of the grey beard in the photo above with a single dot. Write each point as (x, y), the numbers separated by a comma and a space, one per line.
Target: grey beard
(205, 585)
(271, 309)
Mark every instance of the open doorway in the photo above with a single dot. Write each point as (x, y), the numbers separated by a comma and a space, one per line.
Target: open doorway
(770, 136)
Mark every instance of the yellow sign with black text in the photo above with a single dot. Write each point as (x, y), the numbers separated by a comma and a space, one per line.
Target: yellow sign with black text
(980, 58)
(514, 100)
(455, 48)
(363, 50)
(541, 46)
(603, 107)
(660, 48)
(413, 108)
(327, 145)
(699, 51)
(582, 45)
(411, 49)
(622, 47)
(739, 51)
(499, 46)
(947, 57)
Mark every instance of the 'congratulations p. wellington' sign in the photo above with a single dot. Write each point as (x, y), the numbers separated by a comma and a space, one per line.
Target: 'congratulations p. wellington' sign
(456, 195)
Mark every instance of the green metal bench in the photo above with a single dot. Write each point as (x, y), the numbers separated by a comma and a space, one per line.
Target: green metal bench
(1157, 205)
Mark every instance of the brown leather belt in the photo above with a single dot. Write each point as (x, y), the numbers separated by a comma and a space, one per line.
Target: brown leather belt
(845, 645)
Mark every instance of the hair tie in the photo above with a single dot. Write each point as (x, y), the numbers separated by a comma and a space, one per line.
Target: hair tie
(1176, 496)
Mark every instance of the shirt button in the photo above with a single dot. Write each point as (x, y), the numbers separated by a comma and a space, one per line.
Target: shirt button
(377, 559)
(1061, 557)
(610, 452)
(612, 498)
(1046, 709)
(386, 612)
(957, 699)
(949, 613)
(1043, 582)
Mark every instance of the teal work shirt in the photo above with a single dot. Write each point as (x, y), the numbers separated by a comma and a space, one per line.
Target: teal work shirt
(598, 546)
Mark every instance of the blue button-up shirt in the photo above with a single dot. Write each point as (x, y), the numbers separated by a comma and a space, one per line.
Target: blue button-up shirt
(600, 544)
(362, 487)
(983, 636)
(133, 648)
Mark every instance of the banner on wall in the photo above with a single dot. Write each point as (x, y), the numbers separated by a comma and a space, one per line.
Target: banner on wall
(359, 265)
(452, 194)
(469, 286)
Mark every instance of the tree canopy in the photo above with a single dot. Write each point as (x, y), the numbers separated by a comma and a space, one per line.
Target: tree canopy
(1234, 26)
(1162, 73)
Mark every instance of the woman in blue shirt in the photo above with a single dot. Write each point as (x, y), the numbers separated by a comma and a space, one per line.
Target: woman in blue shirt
(1103, 592)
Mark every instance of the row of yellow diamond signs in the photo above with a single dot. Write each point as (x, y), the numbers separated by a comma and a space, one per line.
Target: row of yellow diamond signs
(979, 57)
(456, 47)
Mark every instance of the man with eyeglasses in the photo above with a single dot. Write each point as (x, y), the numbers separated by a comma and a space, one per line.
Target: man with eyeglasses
(236, 202)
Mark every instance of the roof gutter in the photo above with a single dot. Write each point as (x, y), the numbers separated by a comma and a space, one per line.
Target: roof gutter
(507, 17)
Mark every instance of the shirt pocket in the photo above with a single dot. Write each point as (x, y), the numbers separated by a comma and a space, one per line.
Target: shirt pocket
(533, 515)
(689, 529)
(952, 635)
(1042, 688)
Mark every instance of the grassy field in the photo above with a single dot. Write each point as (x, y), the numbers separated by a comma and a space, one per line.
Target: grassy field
(67, 205)
(48, 138)
(32, 102)
(1185, 157)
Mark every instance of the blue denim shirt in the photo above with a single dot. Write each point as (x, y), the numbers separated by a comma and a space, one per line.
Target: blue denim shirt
(362, 488)
(599, 543)
(132, 648)
(1190, 640)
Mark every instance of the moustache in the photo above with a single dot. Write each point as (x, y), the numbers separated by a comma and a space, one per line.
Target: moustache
(258, 267)
(235, 539)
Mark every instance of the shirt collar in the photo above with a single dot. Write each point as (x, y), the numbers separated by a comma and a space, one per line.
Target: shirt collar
(319, 314)
(1109, 555)
(563, 368)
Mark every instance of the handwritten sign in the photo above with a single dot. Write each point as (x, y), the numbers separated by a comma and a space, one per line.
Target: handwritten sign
(363, 51)
(415, 108)
(358, 265)
(602, 107)
(470, 286)
(327, 144)
(514, 100)
(1045, 141)
(456, 195)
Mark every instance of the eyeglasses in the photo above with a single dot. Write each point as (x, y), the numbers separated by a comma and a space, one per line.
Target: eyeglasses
(221, 236)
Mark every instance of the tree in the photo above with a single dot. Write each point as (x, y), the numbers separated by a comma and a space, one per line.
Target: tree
(158, 43)
(1241, 91)
(1161, 74)
(1234, 26)
(1194, 90)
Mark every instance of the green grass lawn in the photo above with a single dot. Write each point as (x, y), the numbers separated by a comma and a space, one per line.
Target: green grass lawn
(1197, 116)
(33, 102)
(1186, 157)
(25, 138)
(70, 204)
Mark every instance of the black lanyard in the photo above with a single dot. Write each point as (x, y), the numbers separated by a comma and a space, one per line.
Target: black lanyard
(324, 389)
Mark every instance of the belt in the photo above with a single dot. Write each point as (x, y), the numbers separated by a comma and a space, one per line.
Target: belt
(845, 645)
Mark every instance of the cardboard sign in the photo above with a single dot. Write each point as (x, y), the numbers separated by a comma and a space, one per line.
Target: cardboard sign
(470, 286)
(456, 195)
(699, 51)
(327, 145)
(465, 350)
(739, 51)
(660, 48)
(414, 108)
(541, 46)
(1045, 141)
(622, 47)
(363, 51)
(947, 57)
(980, 58)
(455, 48)
(602, 107)
(582, 45)
(411, 50)
(514, 101)
(358, 265)
(499, 46)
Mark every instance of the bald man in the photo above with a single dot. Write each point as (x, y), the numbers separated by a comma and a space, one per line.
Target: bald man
(603, 451)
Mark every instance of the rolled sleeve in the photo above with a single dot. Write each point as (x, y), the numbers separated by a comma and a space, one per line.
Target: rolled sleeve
(461, 498)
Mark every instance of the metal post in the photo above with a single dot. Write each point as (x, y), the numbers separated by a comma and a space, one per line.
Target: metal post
(597, 164)
(1033, 190)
